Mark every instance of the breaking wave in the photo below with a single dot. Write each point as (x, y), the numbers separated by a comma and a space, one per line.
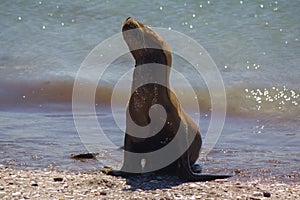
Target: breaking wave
(275, 102)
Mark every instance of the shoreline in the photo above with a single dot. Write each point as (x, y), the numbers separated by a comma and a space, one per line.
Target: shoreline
(37, 184)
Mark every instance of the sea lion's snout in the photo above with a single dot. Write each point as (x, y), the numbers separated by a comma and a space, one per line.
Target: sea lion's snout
(130, 23)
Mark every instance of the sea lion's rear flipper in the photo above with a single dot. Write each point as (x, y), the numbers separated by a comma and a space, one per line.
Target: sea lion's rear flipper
(209, 177)
(189, 173)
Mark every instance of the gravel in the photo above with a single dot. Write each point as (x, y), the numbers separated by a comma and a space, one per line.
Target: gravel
(34, 184)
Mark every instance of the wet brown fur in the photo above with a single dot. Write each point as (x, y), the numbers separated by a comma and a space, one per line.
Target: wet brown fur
(147, 95)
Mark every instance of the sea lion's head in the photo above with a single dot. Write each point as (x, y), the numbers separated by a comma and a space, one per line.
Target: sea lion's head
(145, 45)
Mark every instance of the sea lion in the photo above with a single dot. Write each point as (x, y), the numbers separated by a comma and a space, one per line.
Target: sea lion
(153, 60)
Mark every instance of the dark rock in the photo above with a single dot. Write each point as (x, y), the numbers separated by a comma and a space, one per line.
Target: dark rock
(267, 194)
(84, 156)
(58, 179)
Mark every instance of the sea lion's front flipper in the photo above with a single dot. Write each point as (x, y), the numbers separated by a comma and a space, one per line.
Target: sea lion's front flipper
(112, 172)
(197, 168)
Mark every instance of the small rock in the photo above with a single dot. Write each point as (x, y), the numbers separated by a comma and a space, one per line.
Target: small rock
(267, 194)
(58, 179)
(34, 184)
(2, 194)
(254, 198)
(103, 193)
(193, 185)
(1, 188)
(256, 194)
(15, 194)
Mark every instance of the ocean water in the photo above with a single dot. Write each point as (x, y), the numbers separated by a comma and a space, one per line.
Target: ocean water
(254, 44)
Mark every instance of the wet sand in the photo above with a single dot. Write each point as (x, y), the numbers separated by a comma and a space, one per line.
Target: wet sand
(28, 184)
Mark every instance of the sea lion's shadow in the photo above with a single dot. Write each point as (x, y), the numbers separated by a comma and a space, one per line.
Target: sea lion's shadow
(152, 182)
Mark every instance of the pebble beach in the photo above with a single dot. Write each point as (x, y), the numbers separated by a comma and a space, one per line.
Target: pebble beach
(35, 184)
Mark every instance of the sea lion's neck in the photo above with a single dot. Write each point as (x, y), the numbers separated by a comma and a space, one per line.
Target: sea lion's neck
(152, 82)
(152, 66)
(150, 73)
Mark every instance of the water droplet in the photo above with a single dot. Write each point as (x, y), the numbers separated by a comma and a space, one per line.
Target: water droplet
(267, 23)
(19, 18)
(44, 27)
(286, 42)
(208, 2)
(170, 28)
(40, 2)
(191, 26)
(24, 97)
(241, 2)
(193, 15)
(225, 66)
(62, 24)
(261, 6)
(160, 8)
(275, 9)
(73, 20)
(200, 6)
(280, 30)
